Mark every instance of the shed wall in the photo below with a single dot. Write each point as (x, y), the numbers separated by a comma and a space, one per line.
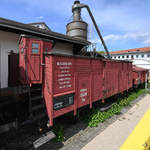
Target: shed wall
(8, 42)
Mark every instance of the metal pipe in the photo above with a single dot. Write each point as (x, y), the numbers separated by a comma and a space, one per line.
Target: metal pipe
(76, 12)
(78, 5)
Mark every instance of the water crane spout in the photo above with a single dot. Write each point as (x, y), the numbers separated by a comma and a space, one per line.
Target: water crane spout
(78, 6)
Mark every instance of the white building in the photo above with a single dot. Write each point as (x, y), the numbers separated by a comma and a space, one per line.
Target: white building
(139, 56)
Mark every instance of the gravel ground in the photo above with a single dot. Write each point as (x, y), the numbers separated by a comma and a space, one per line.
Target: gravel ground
(76, 134)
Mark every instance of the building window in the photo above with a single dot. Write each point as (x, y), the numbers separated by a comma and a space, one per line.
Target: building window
(118, 56)
(137, 56)
(122, 56)
(148, 55)
(132, 57)
(142, 55)
(127, 56)
(114, 56)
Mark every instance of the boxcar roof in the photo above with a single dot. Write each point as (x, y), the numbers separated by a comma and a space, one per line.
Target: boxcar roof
(21, 28)
(86, 57)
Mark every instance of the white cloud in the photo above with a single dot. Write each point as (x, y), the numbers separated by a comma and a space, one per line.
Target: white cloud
(122, 22)
(114, 39)
(40, 17)
(121, 16)
(125, 15)
(143, 37)
(147, 42)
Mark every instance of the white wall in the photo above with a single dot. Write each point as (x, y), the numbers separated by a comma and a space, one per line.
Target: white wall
(8, 42)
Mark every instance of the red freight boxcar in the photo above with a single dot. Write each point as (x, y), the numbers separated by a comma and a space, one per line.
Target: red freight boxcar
(71, 82)
(139, 75)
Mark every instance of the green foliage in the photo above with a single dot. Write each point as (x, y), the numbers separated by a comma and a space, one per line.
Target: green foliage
(101, 52)
(148, 92)
(148, 85)
(94, 117)
(59, 132)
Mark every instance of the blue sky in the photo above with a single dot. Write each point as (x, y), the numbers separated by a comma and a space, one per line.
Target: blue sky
(124, 24)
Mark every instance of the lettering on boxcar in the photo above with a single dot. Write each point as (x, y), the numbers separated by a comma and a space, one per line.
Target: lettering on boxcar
(83, 94)
(64, 67)
(65, 86)
(64, 63)
(63, 79)
(64, 71)
(64, 76)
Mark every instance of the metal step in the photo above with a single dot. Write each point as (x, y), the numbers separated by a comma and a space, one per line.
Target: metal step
(34, 108)
(24, 87)
(36, 97)
(44, 139)
(36, 89)
(39, 116)
(106, 106)
(34, 119)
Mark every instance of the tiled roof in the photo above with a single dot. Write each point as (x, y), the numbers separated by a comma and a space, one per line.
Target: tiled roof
(144, 49)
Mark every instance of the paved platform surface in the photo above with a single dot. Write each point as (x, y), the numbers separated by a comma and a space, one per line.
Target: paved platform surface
(113, 137)
(139, 139)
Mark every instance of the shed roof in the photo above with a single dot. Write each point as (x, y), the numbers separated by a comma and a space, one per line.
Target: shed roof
(21, 28)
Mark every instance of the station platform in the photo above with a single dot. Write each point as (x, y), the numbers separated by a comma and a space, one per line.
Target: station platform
(130, 132)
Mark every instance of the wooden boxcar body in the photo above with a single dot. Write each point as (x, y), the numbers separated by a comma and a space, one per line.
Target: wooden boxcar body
(139, 75)
(82, 81)
(70, 82)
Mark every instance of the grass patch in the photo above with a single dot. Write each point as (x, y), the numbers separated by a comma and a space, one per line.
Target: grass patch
(94, 117)
(59, 132)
